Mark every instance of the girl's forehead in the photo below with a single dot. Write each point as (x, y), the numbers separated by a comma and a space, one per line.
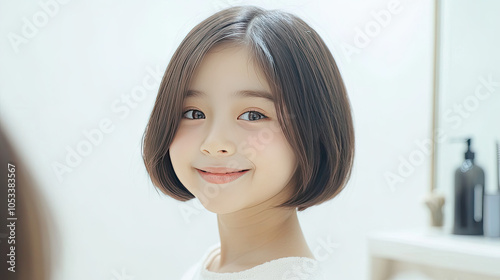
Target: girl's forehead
(229, 67)
(227, 58)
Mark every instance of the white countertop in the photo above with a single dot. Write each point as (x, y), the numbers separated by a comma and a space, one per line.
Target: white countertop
(477, 254)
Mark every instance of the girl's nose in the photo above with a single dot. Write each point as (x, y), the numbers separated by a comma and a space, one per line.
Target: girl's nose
(220, 138)
(218, 152)
(216, 149)
(218, 144)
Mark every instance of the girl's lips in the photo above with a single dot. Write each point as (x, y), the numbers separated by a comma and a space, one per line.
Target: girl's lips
(220, 178)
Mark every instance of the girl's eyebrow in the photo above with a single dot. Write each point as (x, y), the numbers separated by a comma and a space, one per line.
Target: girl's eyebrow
(191, 93)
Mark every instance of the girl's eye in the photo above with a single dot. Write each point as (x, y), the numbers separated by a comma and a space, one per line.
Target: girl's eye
(187, 113)
(252, 115)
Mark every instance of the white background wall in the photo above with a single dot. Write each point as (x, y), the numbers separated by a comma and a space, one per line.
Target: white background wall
(71, 74)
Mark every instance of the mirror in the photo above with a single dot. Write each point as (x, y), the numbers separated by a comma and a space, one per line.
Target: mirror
(467, 103)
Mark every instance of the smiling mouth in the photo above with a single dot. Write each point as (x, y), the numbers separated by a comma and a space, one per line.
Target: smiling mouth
(221, 178)
(225, 172)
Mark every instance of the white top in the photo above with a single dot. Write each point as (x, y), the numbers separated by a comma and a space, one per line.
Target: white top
(288, 268)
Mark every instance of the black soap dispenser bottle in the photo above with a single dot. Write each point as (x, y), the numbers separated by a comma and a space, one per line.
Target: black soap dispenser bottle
(469, 196)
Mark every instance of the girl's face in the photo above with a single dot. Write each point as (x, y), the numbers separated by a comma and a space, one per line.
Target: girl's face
(229, 122)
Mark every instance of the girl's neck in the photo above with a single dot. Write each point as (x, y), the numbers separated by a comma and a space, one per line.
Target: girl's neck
(258, 234)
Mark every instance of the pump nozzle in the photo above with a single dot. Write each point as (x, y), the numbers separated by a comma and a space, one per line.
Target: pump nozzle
(469, 154)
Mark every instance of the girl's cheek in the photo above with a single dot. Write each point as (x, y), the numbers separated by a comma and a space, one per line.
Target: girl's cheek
(182, 140)
(261, 141)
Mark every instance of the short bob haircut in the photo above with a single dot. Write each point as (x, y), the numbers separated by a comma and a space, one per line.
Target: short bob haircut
(311, 100)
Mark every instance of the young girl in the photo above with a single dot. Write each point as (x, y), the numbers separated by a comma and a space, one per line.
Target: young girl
(252, 118)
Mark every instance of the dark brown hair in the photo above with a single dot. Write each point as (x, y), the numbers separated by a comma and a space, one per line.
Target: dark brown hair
(311, 100)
